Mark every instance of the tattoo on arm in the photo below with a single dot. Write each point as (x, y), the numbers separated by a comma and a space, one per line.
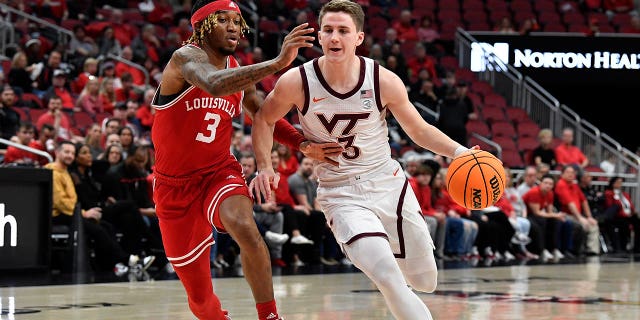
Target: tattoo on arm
(197, 70)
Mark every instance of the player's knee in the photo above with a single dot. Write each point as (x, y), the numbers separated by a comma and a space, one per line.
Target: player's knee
(424, 282)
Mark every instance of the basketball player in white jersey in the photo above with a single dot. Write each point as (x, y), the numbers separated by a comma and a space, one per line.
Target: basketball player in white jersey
(365, 196)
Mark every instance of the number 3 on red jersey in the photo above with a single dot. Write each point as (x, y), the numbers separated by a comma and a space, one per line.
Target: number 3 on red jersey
(211, 127)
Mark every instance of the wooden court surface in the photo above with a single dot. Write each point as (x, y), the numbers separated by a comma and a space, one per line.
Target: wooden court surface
(592, 290)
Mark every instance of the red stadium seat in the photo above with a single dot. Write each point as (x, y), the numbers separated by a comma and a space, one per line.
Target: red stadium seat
(478, 126)
(82, 120)
(491, 113)
(23, 112)
(32, 98)
(496, 100)
(528, 128)
(34, 114)
(503, 128)
(527, 143)
(449, 62)
(481, 87)
(512, 159)
(506, 143)
(473, 141)
(516, 115)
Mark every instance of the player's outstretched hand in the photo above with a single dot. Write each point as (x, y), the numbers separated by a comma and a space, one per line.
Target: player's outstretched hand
(299, 37)
(262, 183)
(321, 151)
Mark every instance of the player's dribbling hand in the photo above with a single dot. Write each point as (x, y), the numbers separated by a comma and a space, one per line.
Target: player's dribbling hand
(262, 184)
(321, 151)
(299, 37)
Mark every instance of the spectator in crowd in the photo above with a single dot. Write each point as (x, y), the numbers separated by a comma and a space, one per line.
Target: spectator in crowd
(145, 113)
(9, 118)
(112, 154)
(56, 10)
(404, 27)
(130, 120)
(456, 110)
(633, 27)
(122, 30)
(108, 94)
(303, 191)
(569, 154)
(121, 213)
(288, 161)
(93, 140)
(25, 136)
(436, 220)
(376, 53)
(236, 144)
(183, 29)
(20, 73)
(390, 39)
(128, 90)
(296, 217)
(146, 44)
(60, 89)
(89, 70)
(45, 76)
(608, 164)
(268, 215)
(529, 180)
(529, 25)
(392, 64)
(82, 46)
(540, 204)
(108, 43)
(109, 254)
(46, 136)
(60, 121)
(422, 61)
(518, 217)
(574, 202)
(461, 232)
(426, 96)
(544, 152)
(427, 34)
(505, 26)
(624, 214)
(90, 100)
(137, 76)
(127, 141)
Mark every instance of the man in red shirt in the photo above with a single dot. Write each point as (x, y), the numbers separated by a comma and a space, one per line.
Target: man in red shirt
(56, 118)
(539, 200)
(59, 88)
(14, 155)
(567, 153)
(573, 201)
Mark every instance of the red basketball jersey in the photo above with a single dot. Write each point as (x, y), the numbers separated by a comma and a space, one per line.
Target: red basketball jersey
(192, 133)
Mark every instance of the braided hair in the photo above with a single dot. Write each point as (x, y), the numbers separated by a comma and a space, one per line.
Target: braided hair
(205, 26)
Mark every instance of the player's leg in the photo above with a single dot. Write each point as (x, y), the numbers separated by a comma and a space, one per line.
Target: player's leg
(236, 215)
(383, 270)
(187, 239)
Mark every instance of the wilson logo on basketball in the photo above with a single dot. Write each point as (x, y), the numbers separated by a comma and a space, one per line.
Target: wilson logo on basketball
(476, 195)
(495, 188)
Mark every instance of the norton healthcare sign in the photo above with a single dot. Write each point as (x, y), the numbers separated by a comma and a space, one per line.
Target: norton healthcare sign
(556, 58)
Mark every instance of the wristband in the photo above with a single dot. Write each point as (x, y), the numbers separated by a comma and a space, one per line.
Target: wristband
(459, 151)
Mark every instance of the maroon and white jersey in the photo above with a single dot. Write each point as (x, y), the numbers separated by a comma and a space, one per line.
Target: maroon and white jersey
(355, 119)
(192, 133)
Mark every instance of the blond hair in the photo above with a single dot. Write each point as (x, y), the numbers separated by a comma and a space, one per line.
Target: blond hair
(351, 8)
(204, 27)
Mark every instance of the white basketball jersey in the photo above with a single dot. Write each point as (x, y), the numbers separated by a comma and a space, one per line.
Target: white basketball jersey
(355, 119)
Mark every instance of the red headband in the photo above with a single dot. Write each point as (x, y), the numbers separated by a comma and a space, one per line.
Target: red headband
(212, 8)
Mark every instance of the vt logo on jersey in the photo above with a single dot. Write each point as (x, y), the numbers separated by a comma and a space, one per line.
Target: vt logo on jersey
(351, 152)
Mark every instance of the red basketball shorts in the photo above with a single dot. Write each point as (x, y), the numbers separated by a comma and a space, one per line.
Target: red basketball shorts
(187, 209)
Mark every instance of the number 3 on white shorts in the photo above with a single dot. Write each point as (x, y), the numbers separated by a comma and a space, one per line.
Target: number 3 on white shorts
(211, 127)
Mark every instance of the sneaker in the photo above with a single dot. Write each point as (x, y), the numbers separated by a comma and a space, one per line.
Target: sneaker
(147, 262)
(557, 254)
(546, 255)
(222, 262)
(298, 263)
(508, 256)
(133, 260)
(300, 239)
(488, 253)
(276, 238)
(345, 261)
(474, 251)
(329, 261)
(215, 264)
(120, 269)
(498, 256)
(168, 268)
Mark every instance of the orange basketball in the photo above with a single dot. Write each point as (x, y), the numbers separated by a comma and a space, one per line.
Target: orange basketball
(475, 179)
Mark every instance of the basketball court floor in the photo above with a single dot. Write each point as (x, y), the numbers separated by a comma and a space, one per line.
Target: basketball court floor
(599, 288)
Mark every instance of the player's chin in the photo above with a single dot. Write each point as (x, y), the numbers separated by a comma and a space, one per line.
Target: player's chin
(227, 51)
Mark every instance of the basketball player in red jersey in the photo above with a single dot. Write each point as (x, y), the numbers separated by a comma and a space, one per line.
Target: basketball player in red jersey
(198, 182)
